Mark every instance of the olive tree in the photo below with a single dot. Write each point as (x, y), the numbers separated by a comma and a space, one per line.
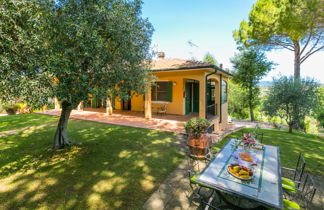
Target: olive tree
(292, 100)
(89, 46)
(23, 74)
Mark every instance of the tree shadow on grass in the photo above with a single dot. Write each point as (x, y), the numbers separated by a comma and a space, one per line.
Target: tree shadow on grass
(115, 168)
(13, 122)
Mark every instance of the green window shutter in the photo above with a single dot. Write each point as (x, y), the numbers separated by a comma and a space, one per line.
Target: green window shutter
(169, 91)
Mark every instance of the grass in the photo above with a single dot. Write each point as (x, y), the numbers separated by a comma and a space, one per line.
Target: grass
(290, 145)
(20, 121)
(116, 167)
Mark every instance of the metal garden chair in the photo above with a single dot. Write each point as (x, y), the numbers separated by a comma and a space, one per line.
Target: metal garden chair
(290, 184)
(259, 137)
(305, 196)
(162, 110)
(194, 169)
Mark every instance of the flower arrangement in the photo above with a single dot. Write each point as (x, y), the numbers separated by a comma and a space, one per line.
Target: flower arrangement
(247, 140)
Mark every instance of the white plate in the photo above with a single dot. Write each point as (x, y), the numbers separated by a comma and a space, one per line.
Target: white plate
(244, 179)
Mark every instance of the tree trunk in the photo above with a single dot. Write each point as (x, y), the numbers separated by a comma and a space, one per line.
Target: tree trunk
(251, 112)
(297, 60)
(61, 138)
(290, 128)
(250, 104)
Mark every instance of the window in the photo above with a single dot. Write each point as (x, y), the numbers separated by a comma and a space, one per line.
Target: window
(210, 92)
(211, 106)
(162, 91)
(224, 92)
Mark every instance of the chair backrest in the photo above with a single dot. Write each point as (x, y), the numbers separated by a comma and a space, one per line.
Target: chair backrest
(259, 137)
(164, 107)
(300, 168)
(308, 192)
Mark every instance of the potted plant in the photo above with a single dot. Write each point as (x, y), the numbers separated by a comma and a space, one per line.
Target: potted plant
(11, 109)
(197, 140)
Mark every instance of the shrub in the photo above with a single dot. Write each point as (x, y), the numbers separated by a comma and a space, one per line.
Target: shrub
(320, 118)
(22, 106)
(50, 105)
(292, 99)
(11, 109)
(276, 122)
(196, 126)
(311, 125)
(319, 112)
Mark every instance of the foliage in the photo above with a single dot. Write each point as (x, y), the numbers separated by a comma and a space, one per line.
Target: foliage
(237, 104)
(296, 25)
(53, 50)
(290, 145)
(88, 57)
(1, 108)
(319, 111)
(276, 122)
(11, 109)
(209, 58)
(249, 68)
(117, 167)
(196, 126)
(292, 100)
(311, 125)
(23, 52)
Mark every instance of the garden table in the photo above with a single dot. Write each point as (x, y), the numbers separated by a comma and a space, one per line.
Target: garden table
(265, 187)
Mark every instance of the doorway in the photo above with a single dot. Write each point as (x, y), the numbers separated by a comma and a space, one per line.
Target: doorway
(127, 105)
(192, 96)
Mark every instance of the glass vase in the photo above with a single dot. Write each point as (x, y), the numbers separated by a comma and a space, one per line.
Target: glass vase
(247, 149)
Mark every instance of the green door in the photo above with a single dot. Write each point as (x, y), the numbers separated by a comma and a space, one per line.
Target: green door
(94, 101)
(195, 97)
(188, 97)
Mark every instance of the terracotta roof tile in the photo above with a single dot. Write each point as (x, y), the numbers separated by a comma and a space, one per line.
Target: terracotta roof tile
(176, 63)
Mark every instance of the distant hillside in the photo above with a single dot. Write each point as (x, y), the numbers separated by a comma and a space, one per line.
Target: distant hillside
(269, 84)
(265, 83)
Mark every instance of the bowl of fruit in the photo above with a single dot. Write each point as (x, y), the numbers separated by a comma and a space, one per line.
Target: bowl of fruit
(240, 172)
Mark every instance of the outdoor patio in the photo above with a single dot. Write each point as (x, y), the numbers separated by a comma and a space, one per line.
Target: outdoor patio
(171, 123)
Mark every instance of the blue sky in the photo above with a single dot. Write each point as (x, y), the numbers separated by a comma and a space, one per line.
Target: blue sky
(209, 25)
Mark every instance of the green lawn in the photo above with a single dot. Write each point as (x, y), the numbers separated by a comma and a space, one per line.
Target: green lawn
(21, 121)
(290, 146)
(116, 167)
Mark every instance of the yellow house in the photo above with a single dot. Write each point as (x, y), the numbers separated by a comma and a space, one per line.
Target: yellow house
(183, 88)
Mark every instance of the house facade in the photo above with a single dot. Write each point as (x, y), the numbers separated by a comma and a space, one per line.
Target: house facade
(182, 88)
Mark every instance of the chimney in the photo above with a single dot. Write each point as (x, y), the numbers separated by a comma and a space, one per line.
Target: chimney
(221, 66)
(161, 55)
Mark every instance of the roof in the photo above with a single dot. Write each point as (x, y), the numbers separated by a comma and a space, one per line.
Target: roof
(181, 64)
